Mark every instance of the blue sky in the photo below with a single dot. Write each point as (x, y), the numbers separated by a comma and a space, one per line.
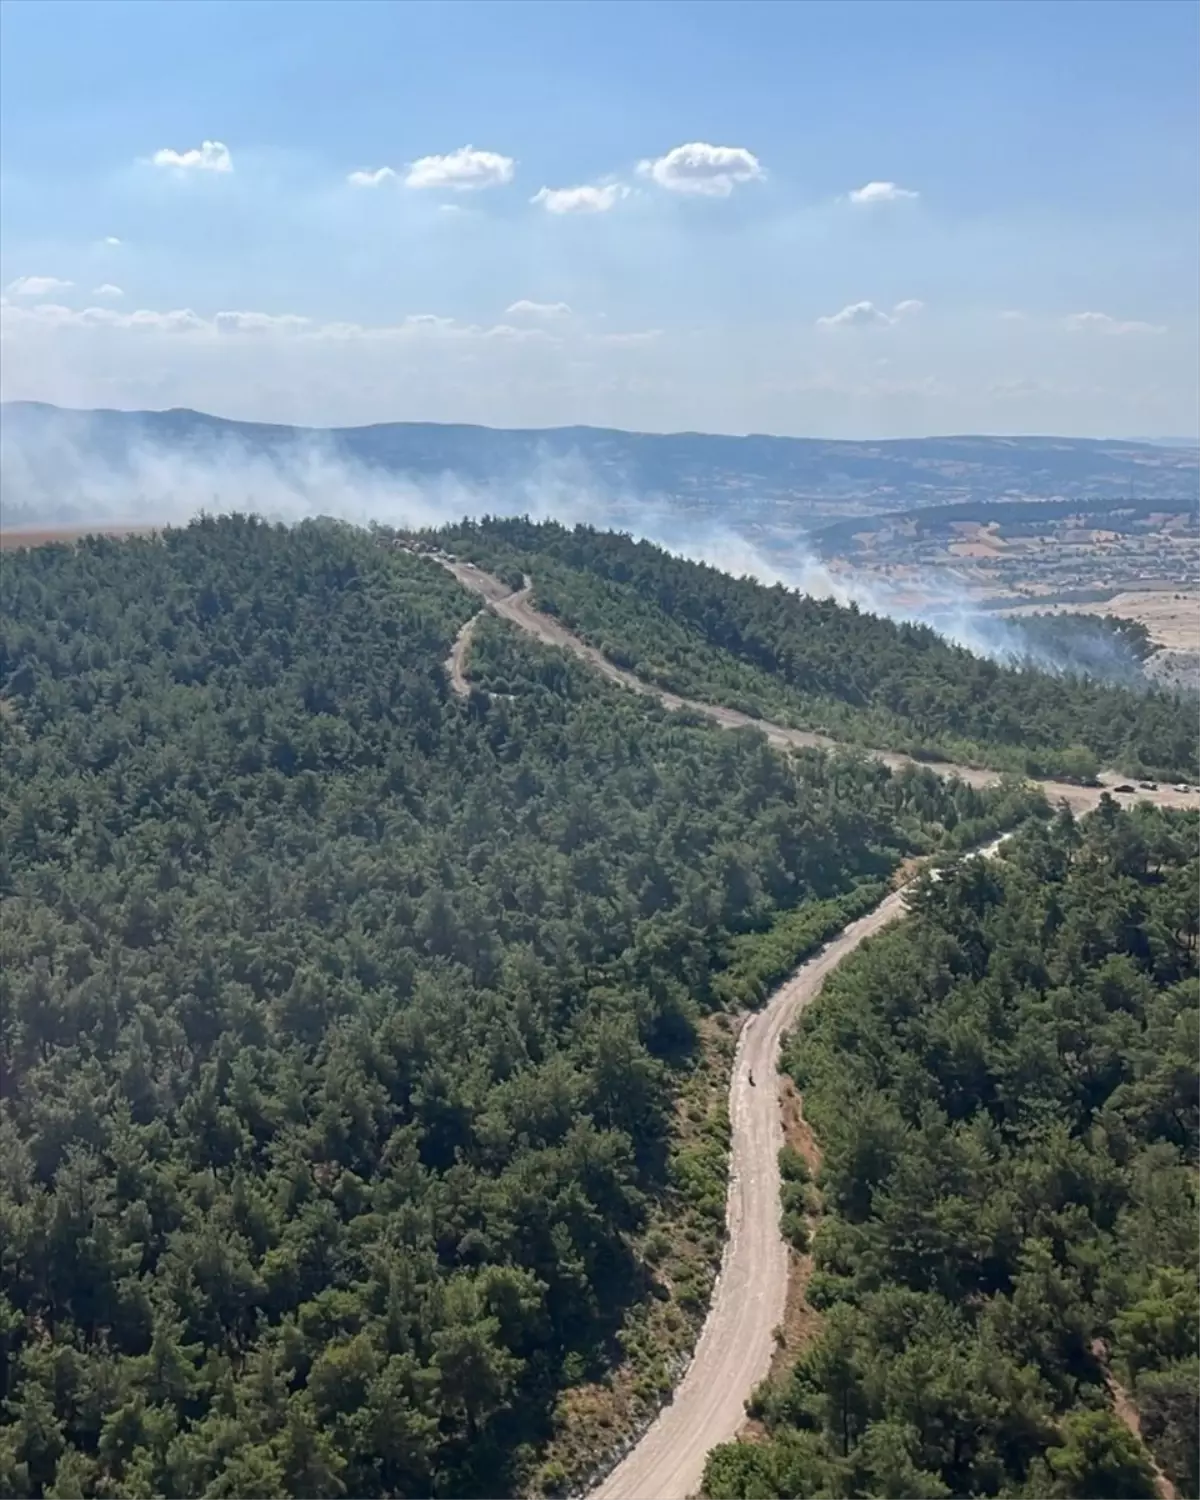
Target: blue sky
(848, 219)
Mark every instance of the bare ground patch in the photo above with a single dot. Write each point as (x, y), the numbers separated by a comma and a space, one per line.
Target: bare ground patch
(18, 537)
(1172, 616)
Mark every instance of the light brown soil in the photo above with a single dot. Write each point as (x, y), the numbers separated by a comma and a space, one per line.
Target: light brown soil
(456, 662)
(801, 1323)
(1127, 1413)
(1172, 617)
(737, 1344)
(13, 540)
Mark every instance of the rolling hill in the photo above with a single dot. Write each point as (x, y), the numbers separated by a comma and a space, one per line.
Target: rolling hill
(51, 454)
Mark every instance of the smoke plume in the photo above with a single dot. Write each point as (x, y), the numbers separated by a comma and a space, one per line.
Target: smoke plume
(73, 477)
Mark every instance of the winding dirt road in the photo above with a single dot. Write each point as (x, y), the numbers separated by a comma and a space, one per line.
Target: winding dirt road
(736, 1344)
(456, 662)
(515, 607)
(737, 1341)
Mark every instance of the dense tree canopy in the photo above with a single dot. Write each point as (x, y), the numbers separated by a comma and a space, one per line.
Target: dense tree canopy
(1005, 1090)
(820, 665)
(342, 1021)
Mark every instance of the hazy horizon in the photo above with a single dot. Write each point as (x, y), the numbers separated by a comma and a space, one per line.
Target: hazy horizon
(859, 222)
(1162, 440)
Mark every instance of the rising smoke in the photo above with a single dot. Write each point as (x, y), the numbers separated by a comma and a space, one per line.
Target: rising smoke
(54, 476)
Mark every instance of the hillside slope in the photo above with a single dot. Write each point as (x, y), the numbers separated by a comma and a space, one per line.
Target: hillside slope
(352, 1032)
(822, 666)
(1005, 1216)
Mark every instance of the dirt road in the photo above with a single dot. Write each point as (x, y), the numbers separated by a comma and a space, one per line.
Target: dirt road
(1127, 1413)
(517, 608)
(736, 1344)
(456, 662)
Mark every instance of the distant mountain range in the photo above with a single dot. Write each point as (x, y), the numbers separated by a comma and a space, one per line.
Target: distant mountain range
(51, 457)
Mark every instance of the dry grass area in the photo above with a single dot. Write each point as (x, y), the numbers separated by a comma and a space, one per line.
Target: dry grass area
(801, 1322)
(1171, 617)
(14, 539)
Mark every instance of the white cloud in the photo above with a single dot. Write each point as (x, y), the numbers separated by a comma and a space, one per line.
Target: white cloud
(586, 199)
(516, 335)
(37, 286)
(867, 315)
(54, 315)
(106, 289)
(527, 309)
(1014, 315)
(881, 192)
(463, 170)
(418, 329)
(857, 315)
(371, 179)
(1099, 322)
(181, 320)
(429, 320)
(110, 240)
(630, 340)
(256, 322)
(698, 168)
(209, 156)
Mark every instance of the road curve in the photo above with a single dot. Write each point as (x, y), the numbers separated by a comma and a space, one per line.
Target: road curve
(737, 1341)
(456, 662)
(515, 607)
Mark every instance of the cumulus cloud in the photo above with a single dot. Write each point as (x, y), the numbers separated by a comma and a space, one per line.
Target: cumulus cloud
(526, 323)
(257, 322)
(527, 309)
(111, 240)
(54, 315)
(1098, 322)
(181, 320)
(867, 315)
(208, 156)
(462, 171)
(37, 286)
(881, 192)
(371, 179)
(588, 199)
(856, 315)
(507, 332)
(698, 168)
(106, 289)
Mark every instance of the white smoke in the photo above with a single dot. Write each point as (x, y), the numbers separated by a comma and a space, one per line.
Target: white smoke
(60, 475)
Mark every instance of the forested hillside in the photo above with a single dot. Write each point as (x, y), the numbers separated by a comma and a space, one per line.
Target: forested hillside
(1004, 1088)
(343, 1022)
(822, 666)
